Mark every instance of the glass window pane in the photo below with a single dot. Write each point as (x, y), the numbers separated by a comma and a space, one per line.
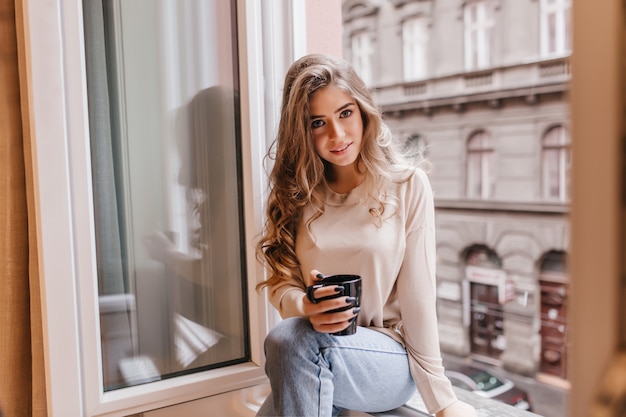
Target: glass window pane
(568, 29)
(164, 131)
(474, 175)
(479, 23)
(362, 55)
(480, 162)
(474, 50)
(488, 178)
(551, 172)
(552, 33)
(415, 44)
(473, 8)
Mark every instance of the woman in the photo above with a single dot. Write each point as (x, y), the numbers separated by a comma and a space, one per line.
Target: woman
(343, 201)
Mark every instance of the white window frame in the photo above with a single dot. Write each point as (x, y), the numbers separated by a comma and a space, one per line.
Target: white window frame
(57, 118)
(362, 55)
(479, 33)
(415, 37)
(560, 11)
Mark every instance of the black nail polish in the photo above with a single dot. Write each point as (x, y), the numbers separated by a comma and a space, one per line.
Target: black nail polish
(320, 276)
(350, 300)
(339, 288)
(356, 310)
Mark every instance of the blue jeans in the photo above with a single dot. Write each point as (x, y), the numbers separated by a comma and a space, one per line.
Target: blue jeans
(316, 374)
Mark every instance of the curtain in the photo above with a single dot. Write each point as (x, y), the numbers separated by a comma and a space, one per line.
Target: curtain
(22, 380)
(110, 263)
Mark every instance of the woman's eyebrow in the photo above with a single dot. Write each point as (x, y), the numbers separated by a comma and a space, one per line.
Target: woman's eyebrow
(339, 110)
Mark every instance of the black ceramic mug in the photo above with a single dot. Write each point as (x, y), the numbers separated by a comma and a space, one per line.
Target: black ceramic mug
(351, 288)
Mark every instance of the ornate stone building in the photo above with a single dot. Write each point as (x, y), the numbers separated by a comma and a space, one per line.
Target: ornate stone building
(481, 87)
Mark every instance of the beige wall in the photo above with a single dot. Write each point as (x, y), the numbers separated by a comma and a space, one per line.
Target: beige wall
(597, 241)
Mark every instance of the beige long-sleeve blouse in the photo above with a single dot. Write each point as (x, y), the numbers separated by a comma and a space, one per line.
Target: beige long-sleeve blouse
(395, 257)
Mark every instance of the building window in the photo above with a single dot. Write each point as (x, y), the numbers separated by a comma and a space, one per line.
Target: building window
(482, 256)
(165, 156)
(415, 48)
(480, 164)
(486, 282)
(479, 28)
(556, 29)
(362, 55)
(554, 284)
(555, 164)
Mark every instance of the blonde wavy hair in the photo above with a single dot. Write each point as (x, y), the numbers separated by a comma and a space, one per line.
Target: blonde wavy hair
(299, 176)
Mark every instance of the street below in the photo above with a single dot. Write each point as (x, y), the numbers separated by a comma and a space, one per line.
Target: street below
(548, 399)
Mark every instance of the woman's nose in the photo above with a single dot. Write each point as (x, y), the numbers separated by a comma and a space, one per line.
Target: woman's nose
(336, 131)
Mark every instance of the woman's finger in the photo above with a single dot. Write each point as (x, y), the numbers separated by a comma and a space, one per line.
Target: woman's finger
(331, 328)
(315, 276)
(327, 305)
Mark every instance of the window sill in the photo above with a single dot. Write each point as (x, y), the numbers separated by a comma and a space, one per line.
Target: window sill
(485, 407)
(503, 206)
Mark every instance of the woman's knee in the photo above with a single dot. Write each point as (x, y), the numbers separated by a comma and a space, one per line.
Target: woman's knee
(289, 336)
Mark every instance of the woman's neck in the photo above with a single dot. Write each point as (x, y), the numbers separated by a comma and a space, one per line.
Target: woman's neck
(345, 179)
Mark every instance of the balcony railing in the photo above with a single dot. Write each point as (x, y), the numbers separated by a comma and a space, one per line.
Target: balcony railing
(528, 79)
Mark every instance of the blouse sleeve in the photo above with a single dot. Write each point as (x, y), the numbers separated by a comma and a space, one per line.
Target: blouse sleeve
(286, 297)
(417, 296)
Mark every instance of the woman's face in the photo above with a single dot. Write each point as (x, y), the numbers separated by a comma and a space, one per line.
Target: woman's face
(336, 125)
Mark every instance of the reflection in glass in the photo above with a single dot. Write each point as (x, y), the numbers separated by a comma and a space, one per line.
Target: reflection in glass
(164, 133)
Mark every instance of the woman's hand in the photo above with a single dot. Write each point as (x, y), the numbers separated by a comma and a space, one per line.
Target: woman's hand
(457, 409)
(318, 313)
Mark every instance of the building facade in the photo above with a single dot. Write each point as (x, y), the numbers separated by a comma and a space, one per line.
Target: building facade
(481, 87)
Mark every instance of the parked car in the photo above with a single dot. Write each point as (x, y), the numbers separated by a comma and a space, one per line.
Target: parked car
(486, 384)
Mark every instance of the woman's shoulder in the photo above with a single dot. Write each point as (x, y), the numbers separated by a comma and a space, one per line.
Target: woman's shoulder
(408, 173)
(411, 185)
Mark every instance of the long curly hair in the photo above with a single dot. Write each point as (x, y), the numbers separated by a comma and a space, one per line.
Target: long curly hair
(299, 176)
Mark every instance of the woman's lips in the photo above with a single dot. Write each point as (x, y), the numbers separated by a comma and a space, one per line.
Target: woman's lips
(341, 149)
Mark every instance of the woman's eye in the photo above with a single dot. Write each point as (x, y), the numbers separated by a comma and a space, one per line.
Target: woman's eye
(346, 113)
(317, 123)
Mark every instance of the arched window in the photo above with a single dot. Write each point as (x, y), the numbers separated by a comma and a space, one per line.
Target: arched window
(554, 284)
(486, 284)
(554, 262)
(555, 164)
(482, 256)
(480, 161)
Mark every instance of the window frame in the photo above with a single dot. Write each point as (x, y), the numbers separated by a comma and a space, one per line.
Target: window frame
(363, 60)
(561, 9)
(484, 28)
(414, 48)
(56, 119)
